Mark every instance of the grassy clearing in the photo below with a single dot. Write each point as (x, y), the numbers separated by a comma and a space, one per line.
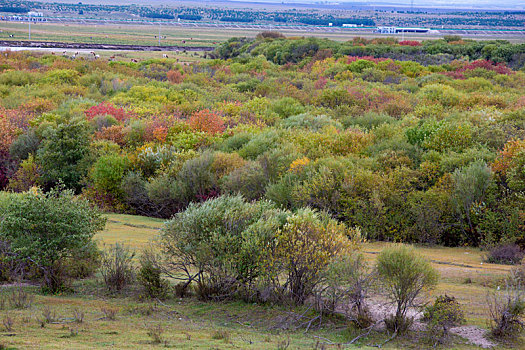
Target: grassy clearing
(191, 324)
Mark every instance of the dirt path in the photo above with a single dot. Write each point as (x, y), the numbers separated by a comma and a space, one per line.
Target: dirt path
(474, 335)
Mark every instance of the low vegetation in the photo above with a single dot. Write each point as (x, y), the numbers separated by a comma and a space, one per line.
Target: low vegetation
(275, 178)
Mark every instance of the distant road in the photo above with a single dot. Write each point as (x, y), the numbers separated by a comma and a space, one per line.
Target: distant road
(85, 46)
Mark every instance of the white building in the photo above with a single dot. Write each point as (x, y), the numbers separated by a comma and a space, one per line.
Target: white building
(397, 30)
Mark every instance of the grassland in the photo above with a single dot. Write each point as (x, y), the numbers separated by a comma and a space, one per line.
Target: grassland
(191, 324)
(128, 34)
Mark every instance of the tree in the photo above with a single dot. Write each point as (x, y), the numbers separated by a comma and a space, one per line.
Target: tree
(404, 275)
(62, 152)
(48, 228)
(470, 184)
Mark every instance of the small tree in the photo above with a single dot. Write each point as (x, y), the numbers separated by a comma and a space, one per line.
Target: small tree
(62, 154)
(404, 275)
(150, 275)
(49, 228)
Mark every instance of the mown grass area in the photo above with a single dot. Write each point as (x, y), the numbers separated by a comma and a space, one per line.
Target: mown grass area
(191, 324)
(111, 34)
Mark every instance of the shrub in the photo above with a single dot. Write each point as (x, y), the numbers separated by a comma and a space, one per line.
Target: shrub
(107, 173)
(20, 298)
(149, 276)
(27, 176)
(249, 180)
(83, 263)
(470, 185)
(403, 275)
(304, 248)
(110, 313)
(225, 163)
(310, 122)
(48, 229)
(218, 243)
(165, 196)
(506, 312)
(287, 106)
(175, 76)
(207, 121)
(445, 313)
(260, 144)
(348, 283)
(197, 177)
(155, 333)
(24, 145)
(510, 254)
(117, 267)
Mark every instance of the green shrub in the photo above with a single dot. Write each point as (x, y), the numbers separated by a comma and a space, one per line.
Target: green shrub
(249, 181)
(304, 248)
(404, 275)
(218, 243)
(149, 276)
(287, 106)
(445, 313)
(62, 152)
(48, 229)
(197, 177)
(470, 185)
(310, 122)
(261, 143)
(106, 174)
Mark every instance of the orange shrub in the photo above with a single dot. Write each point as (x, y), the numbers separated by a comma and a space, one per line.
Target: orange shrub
(207, 121)
(175, 76)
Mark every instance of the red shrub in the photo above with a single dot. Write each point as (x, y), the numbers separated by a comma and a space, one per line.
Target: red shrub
(8, 133)
(499, 68)
(409, 43)
(207, 121)
(106, 108)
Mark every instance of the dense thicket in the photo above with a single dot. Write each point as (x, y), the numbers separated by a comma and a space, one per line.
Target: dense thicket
(282, 50)
(402, 151)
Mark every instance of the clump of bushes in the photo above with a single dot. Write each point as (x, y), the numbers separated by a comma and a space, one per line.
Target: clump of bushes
(230, 247)
(149, 277)
(348, 282)
(446, 312)
(510, 254)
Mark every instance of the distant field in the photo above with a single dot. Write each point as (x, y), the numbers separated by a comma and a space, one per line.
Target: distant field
(127, 34)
